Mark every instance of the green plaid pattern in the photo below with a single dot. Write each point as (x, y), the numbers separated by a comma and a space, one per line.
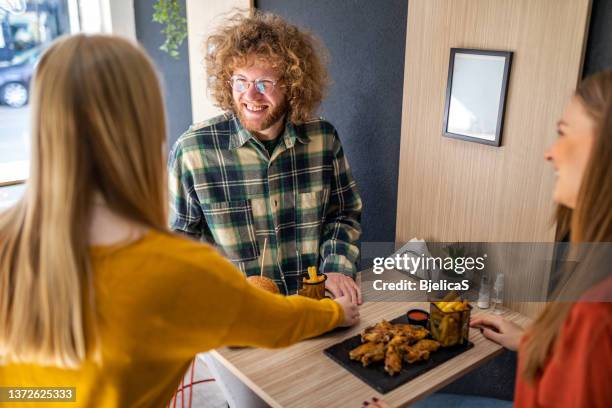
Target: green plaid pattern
(225, 189)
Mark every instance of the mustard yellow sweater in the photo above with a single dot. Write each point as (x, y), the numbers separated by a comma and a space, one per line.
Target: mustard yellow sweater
(159, 301)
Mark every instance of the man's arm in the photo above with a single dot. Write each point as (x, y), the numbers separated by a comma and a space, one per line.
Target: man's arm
(342, 227)
(185, 213)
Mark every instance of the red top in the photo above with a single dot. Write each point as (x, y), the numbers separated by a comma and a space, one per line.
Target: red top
(579, 371)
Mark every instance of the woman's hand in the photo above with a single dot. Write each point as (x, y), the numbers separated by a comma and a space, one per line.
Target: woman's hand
(350, 310)
(499, 330)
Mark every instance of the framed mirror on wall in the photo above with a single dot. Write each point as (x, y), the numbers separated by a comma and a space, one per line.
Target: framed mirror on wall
(476, 95)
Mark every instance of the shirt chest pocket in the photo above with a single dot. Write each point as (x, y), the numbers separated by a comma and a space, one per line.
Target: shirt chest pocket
(232, 227)
(310, 210)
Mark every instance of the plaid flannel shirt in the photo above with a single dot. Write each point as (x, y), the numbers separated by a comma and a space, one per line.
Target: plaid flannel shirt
(225, 189)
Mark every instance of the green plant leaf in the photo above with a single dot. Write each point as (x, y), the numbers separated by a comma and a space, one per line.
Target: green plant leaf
(170, 14)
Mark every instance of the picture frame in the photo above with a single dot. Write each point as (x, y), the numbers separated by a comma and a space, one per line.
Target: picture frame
(476, 94)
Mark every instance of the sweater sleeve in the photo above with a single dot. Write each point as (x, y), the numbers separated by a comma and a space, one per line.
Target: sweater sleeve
(201, 301)
(267, 320)
(263, 319)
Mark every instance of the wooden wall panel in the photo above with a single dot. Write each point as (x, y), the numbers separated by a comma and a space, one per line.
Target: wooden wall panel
(452, 190)
(455, 190)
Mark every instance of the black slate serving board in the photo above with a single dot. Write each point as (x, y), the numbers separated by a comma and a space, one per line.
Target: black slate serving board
(375, 375)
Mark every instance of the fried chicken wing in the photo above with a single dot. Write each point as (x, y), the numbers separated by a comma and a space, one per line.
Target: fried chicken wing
(358, 352)
(381, 332)
(399, 340)
(427, 345)
(412, 355)
(368, 353)
(393, 359)
(415, 333)
(376, 353)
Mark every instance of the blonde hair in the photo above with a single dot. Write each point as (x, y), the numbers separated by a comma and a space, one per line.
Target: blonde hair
(98, 128)
(296, 54)
(590, 222)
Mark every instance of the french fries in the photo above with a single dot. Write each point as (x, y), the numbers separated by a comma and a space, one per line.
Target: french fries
(312, 276)
(448, 307)
(449, 320)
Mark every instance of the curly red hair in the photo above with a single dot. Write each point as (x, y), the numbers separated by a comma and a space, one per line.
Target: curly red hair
(295, 53)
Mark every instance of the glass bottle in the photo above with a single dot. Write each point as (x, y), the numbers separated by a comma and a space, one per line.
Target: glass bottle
(498, 293)
(484, 293)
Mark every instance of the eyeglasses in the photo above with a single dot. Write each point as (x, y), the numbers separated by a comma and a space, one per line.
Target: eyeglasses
(263, 86)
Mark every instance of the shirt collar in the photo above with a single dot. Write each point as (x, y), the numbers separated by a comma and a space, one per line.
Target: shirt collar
(239, 135)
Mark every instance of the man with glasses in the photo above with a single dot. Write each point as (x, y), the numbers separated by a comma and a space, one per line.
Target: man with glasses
(268, 171)
(267, 175)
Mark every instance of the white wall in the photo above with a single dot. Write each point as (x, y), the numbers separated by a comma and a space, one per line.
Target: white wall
(104, 16)
(203, 16)
(121, 16)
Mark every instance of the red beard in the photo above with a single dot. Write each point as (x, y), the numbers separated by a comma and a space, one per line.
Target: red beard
(270, 119)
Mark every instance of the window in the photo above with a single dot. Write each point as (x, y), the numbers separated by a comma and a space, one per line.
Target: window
(26, 29)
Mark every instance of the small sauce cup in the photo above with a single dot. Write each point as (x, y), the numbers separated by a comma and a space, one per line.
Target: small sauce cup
(418, 317)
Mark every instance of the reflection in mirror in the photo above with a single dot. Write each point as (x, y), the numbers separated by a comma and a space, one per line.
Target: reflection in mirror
(475, 95)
